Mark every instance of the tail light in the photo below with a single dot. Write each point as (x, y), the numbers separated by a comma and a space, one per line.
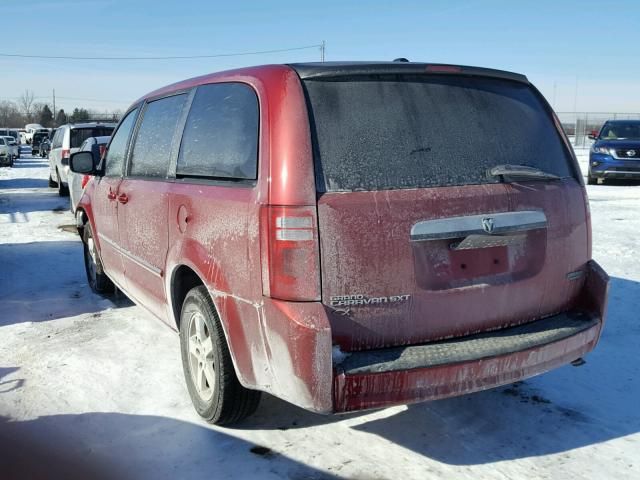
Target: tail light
(85, 180)
(65, 156)
(102, 149)
(290, 253)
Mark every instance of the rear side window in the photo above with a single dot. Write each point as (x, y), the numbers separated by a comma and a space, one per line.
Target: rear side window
(114, 159)
(392, 132)
(220, 138)
(57, 138)
(79, 135)
(152, 147)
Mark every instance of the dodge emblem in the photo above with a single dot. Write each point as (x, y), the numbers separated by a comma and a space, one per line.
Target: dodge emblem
(487, 224)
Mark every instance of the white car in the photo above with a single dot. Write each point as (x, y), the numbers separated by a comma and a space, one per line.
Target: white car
(67, 140)
(6, 153)
(13, 145)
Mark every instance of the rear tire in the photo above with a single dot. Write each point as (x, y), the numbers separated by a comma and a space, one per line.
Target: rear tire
(52, 183)
(214, 388)
(62, 190)
(98, 280)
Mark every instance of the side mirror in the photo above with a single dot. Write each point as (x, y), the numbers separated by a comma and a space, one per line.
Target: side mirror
(82, 162)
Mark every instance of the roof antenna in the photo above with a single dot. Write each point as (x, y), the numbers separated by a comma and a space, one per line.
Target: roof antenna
(400, 59)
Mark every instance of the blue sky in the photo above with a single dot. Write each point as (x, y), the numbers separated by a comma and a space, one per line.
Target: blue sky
(555, 43)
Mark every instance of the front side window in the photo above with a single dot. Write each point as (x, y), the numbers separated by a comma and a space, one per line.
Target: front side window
(114, 159)
(152, 147)
(220, 138)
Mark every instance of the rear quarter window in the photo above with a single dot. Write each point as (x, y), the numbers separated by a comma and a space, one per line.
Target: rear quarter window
(391, 132)
(220, 138)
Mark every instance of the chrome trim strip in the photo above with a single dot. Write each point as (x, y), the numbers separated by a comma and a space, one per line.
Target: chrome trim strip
(625, 172)
(457, 227)
(134, 258)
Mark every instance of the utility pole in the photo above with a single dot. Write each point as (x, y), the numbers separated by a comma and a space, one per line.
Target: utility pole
(54, 107)
(323, 47)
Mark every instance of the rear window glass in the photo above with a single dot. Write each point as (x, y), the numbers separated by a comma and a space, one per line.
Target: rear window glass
(79, 135)
(393, 132)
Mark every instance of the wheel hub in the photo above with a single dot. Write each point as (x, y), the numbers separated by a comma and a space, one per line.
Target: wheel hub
(201, 366)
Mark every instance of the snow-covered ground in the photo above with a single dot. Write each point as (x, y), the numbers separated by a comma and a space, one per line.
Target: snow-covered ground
(94, 388)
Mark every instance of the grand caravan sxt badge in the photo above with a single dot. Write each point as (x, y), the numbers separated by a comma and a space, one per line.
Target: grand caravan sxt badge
(358, 300)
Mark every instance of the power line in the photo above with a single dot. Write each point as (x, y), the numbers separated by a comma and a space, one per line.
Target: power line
(176, 57)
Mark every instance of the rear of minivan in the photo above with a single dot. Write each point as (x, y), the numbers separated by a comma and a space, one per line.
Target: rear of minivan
(453, 232)
(67, 140)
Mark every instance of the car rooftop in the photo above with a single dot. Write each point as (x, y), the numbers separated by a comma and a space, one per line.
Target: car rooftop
(89, 124)
(333, 69)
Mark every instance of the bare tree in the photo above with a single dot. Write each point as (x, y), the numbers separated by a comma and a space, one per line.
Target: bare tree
(26, 103)
(9, 115)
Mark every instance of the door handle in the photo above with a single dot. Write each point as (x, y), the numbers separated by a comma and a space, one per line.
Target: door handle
(122, 198)
(111, 195)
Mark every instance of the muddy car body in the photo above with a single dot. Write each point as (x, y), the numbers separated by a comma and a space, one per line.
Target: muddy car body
(364, 234)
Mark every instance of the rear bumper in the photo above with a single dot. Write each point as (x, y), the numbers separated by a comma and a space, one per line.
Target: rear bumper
(357, 391)
(298, 367)
(477, 362)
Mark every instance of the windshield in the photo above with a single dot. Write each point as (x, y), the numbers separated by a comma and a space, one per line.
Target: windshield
(620, 131)
(414, 131)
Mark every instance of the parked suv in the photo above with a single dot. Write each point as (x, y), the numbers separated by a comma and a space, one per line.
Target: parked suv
(66, 141)
(347, 235)
(615, 154)
(38, 138)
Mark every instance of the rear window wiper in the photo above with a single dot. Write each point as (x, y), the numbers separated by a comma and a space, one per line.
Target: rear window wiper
(520, 171)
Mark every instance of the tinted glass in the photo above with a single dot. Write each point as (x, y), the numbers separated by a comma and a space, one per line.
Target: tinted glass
(376, 132)
(221, 134)
(79, 135)
(152, 148)
(2, 142)
(114, 159)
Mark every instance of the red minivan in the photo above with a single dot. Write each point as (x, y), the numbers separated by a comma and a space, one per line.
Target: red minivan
(348, 236)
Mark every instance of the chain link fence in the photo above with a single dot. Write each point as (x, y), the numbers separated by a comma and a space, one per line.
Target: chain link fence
(579, 125)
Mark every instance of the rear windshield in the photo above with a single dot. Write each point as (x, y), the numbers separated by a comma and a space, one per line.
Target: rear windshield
(391, 132)
(79, 135)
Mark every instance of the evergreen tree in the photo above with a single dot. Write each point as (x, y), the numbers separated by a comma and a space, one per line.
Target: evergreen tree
(46, 116)
(61, 118)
